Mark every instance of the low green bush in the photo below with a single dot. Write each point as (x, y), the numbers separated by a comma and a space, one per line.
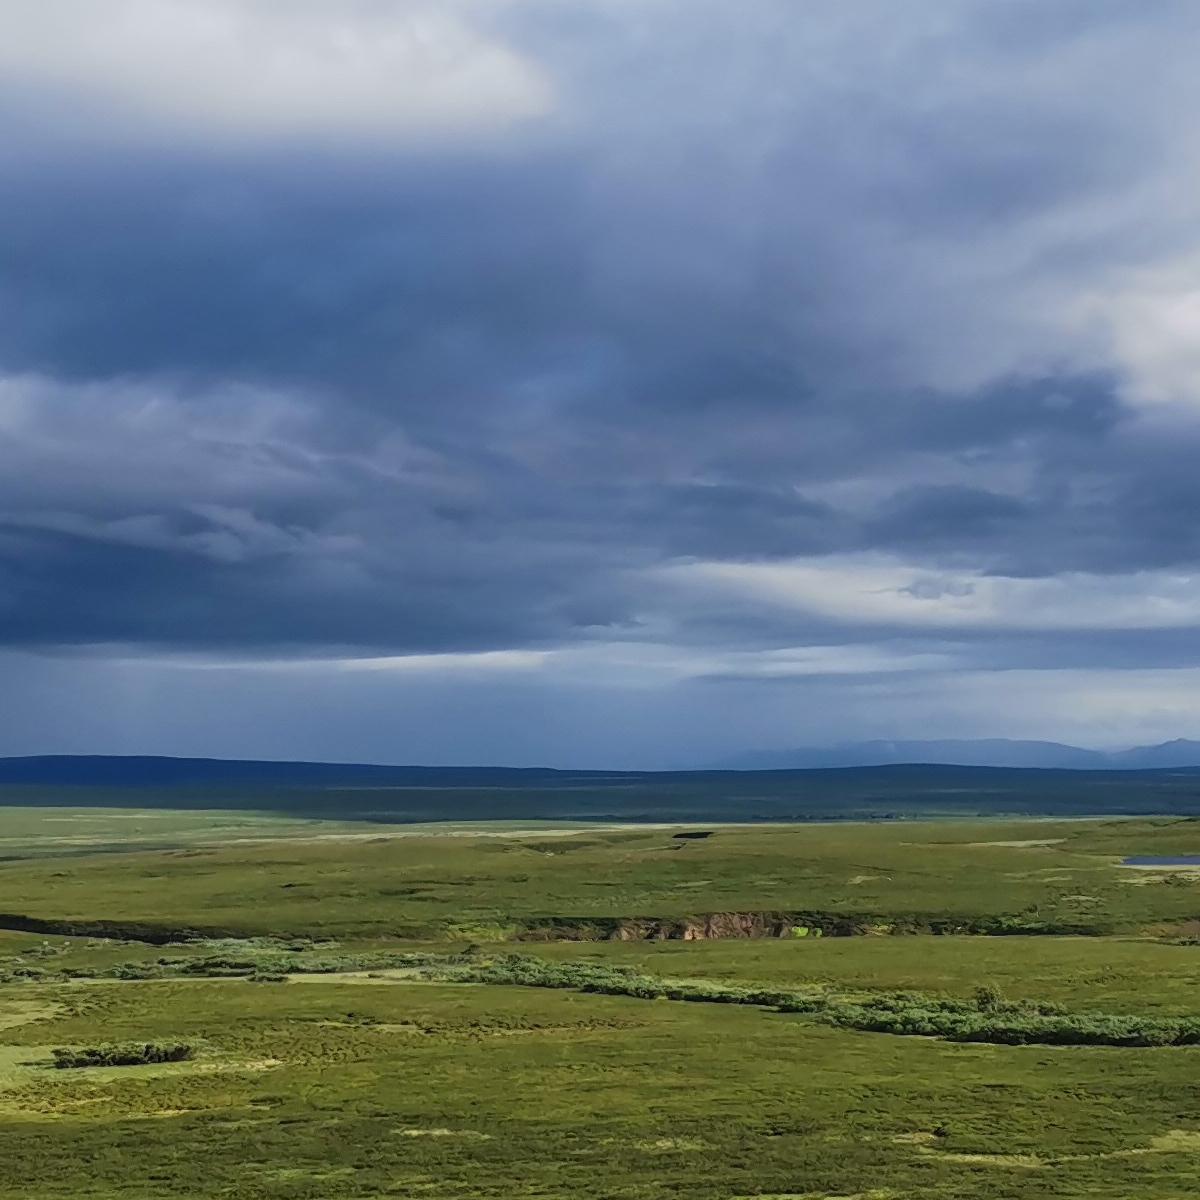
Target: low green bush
(988, 1017)
(128, 1054)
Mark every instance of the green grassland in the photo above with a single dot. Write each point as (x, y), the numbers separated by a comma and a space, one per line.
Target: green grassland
(343, 1047)
(31, 832)
(1105, 974)
(337, 1090)
(1044, 874)
(34, 831)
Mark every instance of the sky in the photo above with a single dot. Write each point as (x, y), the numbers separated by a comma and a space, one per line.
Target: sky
(626, 383)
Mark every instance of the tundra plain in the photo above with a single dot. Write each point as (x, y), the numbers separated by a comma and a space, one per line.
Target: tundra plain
(945, 1009)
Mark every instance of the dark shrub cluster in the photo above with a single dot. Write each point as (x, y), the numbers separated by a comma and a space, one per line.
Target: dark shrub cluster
(128, 1054)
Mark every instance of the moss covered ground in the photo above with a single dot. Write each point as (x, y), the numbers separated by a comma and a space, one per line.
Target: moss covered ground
(349, 1078)
(471, 885)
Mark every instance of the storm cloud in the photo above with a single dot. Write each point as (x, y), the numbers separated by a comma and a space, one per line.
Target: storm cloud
(644, 363)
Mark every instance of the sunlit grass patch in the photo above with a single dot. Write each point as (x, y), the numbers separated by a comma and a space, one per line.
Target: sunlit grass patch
(469, 1134)
(22, 1010)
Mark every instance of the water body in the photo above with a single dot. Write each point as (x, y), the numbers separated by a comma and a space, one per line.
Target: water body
(1161, 860)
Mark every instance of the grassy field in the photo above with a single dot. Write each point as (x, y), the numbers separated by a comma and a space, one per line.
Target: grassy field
(1106, 974)
(350, 1074)
(37, 831)
(332, 1090)
(33, 832)
(342, 882)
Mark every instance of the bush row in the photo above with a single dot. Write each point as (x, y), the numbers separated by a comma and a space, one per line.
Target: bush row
(261, 964)
(986, 1018)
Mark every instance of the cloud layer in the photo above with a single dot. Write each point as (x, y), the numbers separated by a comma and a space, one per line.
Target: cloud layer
(816, 360)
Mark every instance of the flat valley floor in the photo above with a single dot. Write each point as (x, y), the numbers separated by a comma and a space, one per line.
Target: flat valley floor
(951, 1010)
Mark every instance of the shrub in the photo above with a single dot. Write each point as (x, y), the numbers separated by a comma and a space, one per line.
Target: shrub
(128, 1054)
(988, 998)
(986, 1018)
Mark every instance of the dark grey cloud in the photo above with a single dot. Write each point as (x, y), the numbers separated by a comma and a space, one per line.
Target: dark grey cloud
(403, 374)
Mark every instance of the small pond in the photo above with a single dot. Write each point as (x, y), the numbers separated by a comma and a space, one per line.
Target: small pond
(1161, 860)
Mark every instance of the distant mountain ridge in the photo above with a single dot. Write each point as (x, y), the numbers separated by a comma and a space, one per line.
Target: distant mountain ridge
(376, 792)
(132, 770)
(973, 752)
(149, 771)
